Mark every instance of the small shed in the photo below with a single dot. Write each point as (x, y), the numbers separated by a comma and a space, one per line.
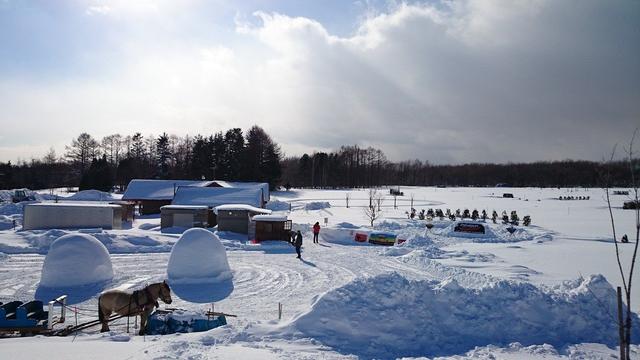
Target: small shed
(71, 215)
(236, 217)
(270, 227)
(128, 209)
(185, 216)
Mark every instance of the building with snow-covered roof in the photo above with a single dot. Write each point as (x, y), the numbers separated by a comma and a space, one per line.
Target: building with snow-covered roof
(270, 227)
(153, 194)
(185, 216)
(74, 215)
(216, 196)
(236, 217)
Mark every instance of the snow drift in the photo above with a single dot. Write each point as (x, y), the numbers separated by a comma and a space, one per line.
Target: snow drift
(317, 205)
(277, 205)
(198, 257)
(76, 260)
(389, 316)
(92, 195)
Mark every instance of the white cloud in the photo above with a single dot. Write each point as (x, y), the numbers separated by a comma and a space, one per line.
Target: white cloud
(457, 81)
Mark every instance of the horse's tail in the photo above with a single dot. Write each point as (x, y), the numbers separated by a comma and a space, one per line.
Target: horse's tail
(100, 314)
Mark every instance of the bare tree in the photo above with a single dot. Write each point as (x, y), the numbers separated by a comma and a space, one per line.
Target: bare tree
(372, 213)
(82, 150)
(625, 317)
(379, 198)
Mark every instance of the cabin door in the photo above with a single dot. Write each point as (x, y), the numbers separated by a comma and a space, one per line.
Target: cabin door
(183, 220)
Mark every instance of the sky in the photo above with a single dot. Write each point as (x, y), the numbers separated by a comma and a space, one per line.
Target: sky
(441, 81)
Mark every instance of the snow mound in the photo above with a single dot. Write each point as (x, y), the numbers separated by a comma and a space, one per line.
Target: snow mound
(11, 209)
(3, 256)
(6, 222)
(92, 195)
(494, 233)
(388, 316)
(277, 205)
(75, 260)
(198, 257)
(317, 205)
(347, 225)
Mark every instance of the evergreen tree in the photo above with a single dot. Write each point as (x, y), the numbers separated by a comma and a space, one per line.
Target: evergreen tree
(163, 155)
(98, 176)
(261, 158)
(234, 148)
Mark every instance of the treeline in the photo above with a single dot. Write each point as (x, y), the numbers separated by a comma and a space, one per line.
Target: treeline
(116, 159)
(254, 156)
(352, 166)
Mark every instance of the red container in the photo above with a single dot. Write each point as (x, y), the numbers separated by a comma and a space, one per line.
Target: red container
(360, 237)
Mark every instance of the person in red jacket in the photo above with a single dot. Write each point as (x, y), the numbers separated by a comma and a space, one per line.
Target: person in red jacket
(316, 231)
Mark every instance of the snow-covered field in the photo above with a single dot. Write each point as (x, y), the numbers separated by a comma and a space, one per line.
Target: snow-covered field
(543, 292)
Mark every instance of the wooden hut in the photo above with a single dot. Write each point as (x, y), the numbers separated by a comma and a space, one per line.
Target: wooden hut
(184, 216)
(236, 217)
(270, 227)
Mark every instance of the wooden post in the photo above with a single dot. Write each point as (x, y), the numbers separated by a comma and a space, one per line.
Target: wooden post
(621, 326)
(279, 311)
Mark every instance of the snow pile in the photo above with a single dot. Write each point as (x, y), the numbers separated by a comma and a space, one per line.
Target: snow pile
(11, 209)
(494, 233)
(388, 316)
(317, 205)
(92, 195)
(75, 260)
(198, 257)
(7, 195)
(6, 222)
(277, 205)
(3, 256)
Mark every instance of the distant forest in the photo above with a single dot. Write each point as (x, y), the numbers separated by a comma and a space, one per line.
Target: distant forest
(253, 156)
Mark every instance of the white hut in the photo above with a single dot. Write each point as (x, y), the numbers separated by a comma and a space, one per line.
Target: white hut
(72, 215)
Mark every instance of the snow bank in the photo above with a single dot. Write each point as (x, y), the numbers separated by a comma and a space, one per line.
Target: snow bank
(6, 222)
(317, 205)
(11, 209)
(75, 260)
(389, 316)
(494, 233)
(198, 257)
(277, 205)
(92, 195)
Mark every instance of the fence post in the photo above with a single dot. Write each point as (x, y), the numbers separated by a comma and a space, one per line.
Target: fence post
(279, 311)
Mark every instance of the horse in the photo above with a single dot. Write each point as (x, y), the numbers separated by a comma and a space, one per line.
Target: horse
(140, 302)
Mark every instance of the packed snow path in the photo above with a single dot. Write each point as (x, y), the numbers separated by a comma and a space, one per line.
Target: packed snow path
(261, 280)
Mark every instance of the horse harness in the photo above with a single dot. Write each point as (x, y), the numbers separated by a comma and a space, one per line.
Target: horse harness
(136, 299)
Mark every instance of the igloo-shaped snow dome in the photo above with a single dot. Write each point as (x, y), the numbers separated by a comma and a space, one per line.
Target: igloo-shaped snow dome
(198, 257)
(75, 260)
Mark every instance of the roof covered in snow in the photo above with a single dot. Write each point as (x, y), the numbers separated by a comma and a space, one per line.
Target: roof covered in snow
(75, 204)
(232, 207)
(139, 189)
(184, 207)
(274, 218)
(246, 185)
(216, 196)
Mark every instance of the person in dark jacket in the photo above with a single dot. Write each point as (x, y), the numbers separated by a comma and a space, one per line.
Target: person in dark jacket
(316, 231)
(298, 244)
